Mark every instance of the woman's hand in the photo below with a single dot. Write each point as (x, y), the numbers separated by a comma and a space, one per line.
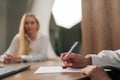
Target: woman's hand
(10, 58)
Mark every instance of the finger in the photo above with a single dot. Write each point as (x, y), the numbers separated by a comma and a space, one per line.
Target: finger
(5, 58)
(62, 55)
(86, 71)
(7, 61)
(69, 56)
(68, 64)
(64, 67)
(10, 58)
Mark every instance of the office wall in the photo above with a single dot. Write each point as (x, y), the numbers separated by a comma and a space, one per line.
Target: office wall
(42, 9)
(10, 15)
(15, 10)
(3, 16)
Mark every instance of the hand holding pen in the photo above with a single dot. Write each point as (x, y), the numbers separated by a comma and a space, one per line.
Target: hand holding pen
(72, 47)
(74, 60)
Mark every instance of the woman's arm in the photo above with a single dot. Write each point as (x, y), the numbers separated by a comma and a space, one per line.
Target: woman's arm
(10, 56)
(14, 46)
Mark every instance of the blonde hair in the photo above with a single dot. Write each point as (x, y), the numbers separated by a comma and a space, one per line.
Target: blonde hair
(24, 48)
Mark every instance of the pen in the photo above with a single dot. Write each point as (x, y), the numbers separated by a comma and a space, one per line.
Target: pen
(72, 47)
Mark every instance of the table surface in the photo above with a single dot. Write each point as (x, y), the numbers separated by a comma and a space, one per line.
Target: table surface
(30, 75)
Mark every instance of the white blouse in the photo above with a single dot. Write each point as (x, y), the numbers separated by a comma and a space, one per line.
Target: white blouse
(107, 58)
(38, 47)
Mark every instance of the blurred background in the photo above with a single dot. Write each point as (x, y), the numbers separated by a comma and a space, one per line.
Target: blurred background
(61, 38)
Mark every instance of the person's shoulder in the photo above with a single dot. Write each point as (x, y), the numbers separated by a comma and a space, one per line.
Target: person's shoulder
(16, 36)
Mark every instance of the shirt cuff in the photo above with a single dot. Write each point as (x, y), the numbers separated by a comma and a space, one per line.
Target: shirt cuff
(95, 59)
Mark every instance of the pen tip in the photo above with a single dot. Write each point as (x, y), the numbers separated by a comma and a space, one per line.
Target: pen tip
(76, 42)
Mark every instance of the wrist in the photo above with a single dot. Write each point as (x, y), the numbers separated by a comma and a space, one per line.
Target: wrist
(88, 59)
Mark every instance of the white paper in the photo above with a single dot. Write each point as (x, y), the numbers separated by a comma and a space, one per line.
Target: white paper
(55, 69)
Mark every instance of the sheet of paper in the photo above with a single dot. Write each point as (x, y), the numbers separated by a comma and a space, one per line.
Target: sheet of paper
(55, 69)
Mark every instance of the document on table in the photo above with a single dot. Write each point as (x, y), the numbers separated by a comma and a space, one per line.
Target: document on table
(58, 69)
(55, 69)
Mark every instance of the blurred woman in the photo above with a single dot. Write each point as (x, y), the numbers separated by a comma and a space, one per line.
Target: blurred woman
(28, 44)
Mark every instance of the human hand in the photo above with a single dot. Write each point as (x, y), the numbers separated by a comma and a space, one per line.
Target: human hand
(74, 60)
(9, 58)
(95, 73)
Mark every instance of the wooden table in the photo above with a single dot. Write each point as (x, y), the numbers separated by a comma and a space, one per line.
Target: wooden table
(30, 75)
